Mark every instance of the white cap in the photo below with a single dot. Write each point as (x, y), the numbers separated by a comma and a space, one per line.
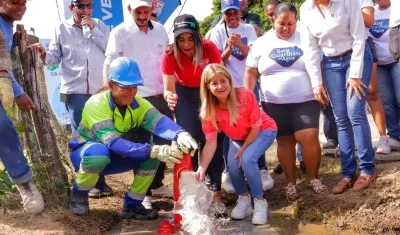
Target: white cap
(141, 3)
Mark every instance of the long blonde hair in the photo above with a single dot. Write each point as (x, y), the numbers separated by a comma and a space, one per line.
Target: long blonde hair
(209, 101)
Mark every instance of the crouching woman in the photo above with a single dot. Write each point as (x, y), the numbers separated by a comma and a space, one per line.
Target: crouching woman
(235, 112)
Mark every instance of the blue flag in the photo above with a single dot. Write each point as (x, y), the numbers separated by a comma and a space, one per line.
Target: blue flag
(112, 12)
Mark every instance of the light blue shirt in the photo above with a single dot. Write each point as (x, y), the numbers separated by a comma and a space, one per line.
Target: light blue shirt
(81, 58)
(7, 30)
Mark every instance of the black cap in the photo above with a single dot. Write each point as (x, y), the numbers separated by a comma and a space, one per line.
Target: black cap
(185, 24)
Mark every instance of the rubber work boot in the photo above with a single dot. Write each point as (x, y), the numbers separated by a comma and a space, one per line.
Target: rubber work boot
(78, 203)
(32, 200)
(139, 213)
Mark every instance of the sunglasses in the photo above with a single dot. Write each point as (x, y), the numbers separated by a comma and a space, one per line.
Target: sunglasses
(81, 6)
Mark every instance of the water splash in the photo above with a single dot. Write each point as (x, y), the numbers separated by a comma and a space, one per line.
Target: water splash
(196, 207)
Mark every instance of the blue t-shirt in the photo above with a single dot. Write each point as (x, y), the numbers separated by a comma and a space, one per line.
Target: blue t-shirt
(8, 37)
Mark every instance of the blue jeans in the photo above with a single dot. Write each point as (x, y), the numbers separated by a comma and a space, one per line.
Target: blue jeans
(11, 153)
(330, 129)
(298, 153)
(262, 165)
(187, 116)
(74, 106)
(350, 116)
(249, 167)
(389, 91)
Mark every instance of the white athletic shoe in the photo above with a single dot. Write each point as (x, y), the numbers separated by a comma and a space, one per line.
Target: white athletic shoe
(383, 145)
(147, 203)
(260, 215)
(394, 144)
(162, 191)
(227, 183)
(242, 208)
(267, 181)
(32, 200)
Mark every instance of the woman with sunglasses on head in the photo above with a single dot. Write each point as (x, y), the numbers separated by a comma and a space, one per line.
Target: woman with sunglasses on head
(287, 96)
(235, 112)
(182, 65)
(336, 28)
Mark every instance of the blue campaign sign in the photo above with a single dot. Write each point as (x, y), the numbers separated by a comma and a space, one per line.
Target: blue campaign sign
(164, 9)
(109, 11)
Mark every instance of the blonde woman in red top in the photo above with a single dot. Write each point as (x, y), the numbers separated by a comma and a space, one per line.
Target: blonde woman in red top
(235, 112)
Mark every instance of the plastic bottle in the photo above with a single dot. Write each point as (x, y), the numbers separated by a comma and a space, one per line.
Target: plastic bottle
(86, 31)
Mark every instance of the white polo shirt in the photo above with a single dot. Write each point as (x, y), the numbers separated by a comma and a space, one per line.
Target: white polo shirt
(284, 78)
(342, 29)
(380, 35)
(395, 16)
(236, 62)
(145, 48)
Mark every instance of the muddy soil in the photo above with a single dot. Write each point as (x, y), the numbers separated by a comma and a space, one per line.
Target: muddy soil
(373, 211)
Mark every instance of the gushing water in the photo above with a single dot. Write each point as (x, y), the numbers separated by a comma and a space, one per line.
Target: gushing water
(196, 207)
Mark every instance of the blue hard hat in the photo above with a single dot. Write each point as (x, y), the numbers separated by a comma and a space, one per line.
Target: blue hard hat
(125, 72)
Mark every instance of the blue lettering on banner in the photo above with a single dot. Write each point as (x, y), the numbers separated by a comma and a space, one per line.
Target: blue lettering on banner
(286, 56)
(109, 11)
(380, 27)
(236, 51)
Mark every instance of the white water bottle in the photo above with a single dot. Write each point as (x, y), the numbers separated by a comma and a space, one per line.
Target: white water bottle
(86, 31)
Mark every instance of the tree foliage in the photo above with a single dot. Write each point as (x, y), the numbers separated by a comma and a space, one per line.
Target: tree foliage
(254, 6)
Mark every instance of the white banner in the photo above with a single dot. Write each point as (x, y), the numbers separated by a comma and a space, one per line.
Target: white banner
(53, 83)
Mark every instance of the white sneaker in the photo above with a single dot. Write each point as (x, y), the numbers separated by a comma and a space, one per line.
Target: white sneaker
(242, 208)
(227, 183)
(32, 200)
(162, 191)
(394, 144)
(383, 145)
(260, 215)
(267, 180)
(147, 203)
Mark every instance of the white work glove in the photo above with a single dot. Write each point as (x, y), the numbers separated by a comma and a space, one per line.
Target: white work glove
(186, 143)
(166, 153)
(6, 92)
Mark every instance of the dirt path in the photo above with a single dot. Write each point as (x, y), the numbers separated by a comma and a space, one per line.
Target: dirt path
(372, 211)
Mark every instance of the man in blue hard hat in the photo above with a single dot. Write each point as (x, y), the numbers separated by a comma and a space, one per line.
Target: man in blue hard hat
(108, 141)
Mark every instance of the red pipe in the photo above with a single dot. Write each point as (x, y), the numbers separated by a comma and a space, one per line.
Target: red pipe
(185, 165)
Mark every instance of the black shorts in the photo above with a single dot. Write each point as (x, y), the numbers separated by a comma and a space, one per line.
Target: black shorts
(293, 117)
(371, 45)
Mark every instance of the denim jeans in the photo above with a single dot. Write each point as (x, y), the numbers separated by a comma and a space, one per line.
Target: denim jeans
(74, 106)
(330, 129)
(187, 116)
(249, 167)
(262, 165)
(11, 153)
(389, 91)
(350, 116)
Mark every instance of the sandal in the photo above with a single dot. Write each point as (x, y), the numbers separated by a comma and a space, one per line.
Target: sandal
(317, 186)
(291, 191)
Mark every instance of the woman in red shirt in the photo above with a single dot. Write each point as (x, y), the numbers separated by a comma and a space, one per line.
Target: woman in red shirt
(235, 112)
(182, 66)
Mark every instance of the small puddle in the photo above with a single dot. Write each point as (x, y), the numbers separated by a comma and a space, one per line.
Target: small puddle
(284, 224)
